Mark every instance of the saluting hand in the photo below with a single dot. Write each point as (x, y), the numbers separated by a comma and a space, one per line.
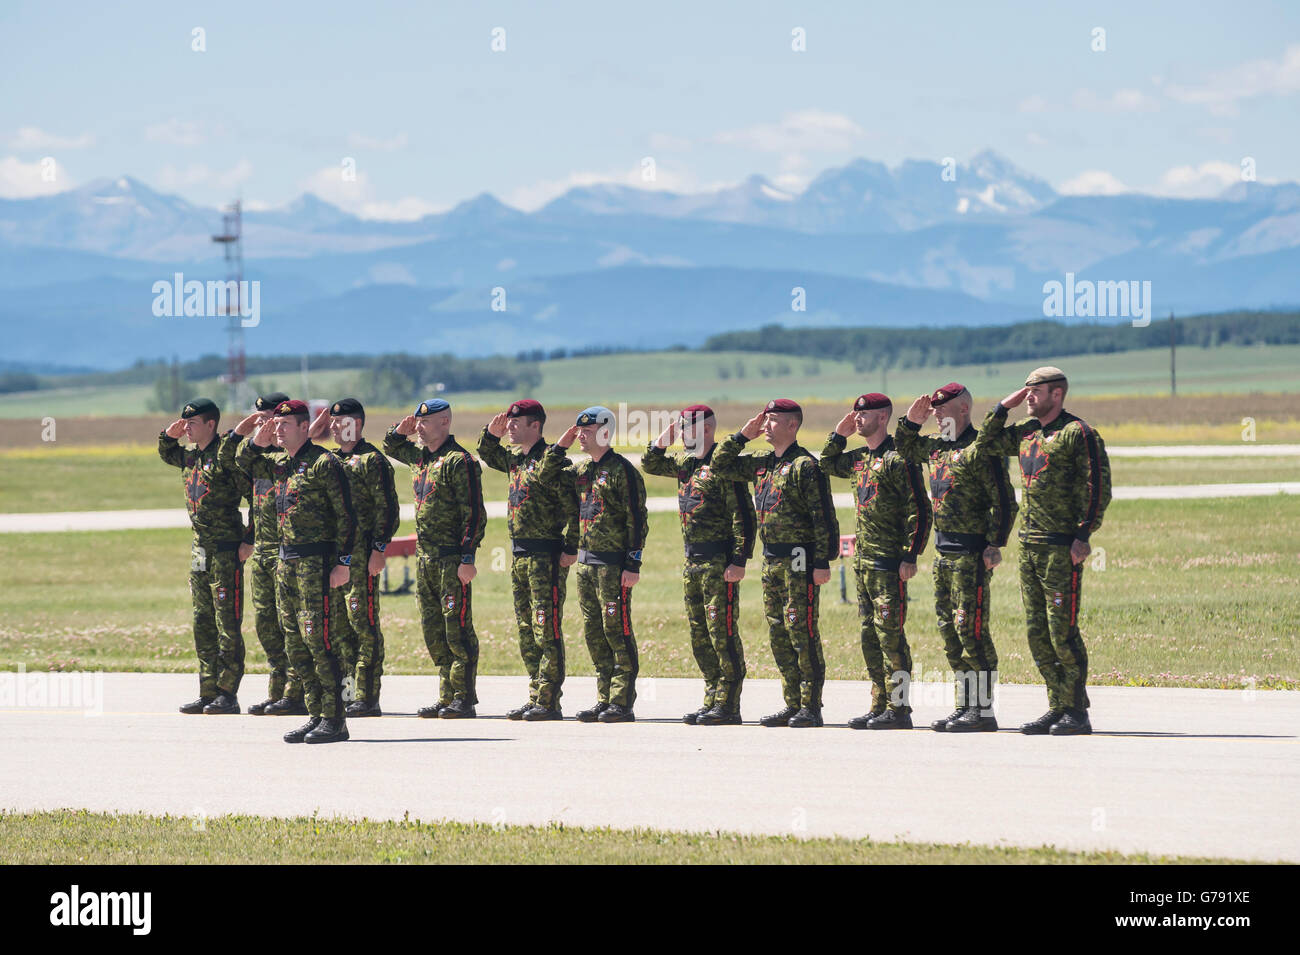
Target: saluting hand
(250, 424)
(848, 424)
(265, 433)
(669, 434)
(566, 440)
(920, 410)
(1013, 399)
(754, 426)
(176, 428)
(321, 426)
(497, 426)
(406, 425)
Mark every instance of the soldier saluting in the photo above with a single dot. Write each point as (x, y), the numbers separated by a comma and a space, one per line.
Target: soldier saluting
(893, 522)
(213, 491)
(612, 513)
(974, 508)
(543, 519)
(800, 535)
(317, 531)
(1066, 478)
(450, 521)
(718, 529)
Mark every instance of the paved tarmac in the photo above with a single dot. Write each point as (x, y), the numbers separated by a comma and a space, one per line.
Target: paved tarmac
(1168, 771)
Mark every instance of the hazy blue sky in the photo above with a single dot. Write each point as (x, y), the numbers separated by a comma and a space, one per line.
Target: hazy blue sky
(713, 91)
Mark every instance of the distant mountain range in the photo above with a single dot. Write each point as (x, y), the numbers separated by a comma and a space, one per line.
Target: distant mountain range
(621, 266)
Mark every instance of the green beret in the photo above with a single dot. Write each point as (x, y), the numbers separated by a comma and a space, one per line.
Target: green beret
(199, 406)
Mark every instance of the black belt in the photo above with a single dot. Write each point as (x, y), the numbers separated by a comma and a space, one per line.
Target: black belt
(948, 542)
(600, 558)
(444, 550)
(786, 550)
(225, 547)
(522, 546)
(314, 549)
(882, 563)
(708, 548)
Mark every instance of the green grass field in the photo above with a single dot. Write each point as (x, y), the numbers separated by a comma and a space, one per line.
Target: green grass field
(664, 378)
(1193, 593)
(80, 837)
(124, 477)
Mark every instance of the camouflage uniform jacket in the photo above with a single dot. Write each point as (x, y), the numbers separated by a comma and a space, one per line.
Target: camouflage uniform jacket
(313, 502)
(374, 494)
(893, 509)
(538, 510)
(612, 510)
(714, 510)
(213, 488)
(449, 514)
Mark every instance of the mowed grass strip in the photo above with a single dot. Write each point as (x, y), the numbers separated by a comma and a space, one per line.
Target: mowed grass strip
(70, 836)
(125, 477)
(1177, 593)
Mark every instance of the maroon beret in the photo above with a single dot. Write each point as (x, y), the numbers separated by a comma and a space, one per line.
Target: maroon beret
(872, 402)
(783, 406)
(293, 406)
(946, 393)
(697, 411)
(525, 406)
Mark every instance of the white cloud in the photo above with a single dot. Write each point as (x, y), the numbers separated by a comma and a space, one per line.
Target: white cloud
(1198, 182)
(29, 138)
(24, 180)
(809, 130)
(1121, 101)
(1222, 92)
(357, 196)
(175, 132)
(361, 141)
(236, 175)
(1093, 182)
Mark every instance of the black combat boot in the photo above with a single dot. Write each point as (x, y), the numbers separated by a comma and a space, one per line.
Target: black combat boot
(617, 714)
(332, 729)
(359, 708)
(518, 712)
(972, 722)
(1072, 723)
(259, 709)
(457, 710)
(891, 720)
(1043, 725)
(540, 714)
(197, 706)
(224, 703)
(287, 707)
(693, 717)
(941, 725)
(430, 712)
(779, 718)
(719, 716)
(593, 714)
(806, 717)
(300, 734)
(864, 721)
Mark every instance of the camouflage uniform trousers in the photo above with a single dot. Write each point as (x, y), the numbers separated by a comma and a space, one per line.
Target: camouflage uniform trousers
(607, 625)
(961, 602)
(791, 602)
(217, 592)
(882, 607)
(283, 682)
(361, 642)
(445, 614)
(309, 610)
(539, 583)
(713, 611)
(1050, 588)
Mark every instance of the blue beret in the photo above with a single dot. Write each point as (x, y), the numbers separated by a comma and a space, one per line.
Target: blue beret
(596, 414)
(432, 406)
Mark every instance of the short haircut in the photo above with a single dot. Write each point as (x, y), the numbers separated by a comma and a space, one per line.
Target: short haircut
(302, 417)
(538, 416)
(213, 416)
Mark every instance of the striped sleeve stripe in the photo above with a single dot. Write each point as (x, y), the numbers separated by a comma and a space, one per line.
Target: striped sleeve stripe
(922, 533)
